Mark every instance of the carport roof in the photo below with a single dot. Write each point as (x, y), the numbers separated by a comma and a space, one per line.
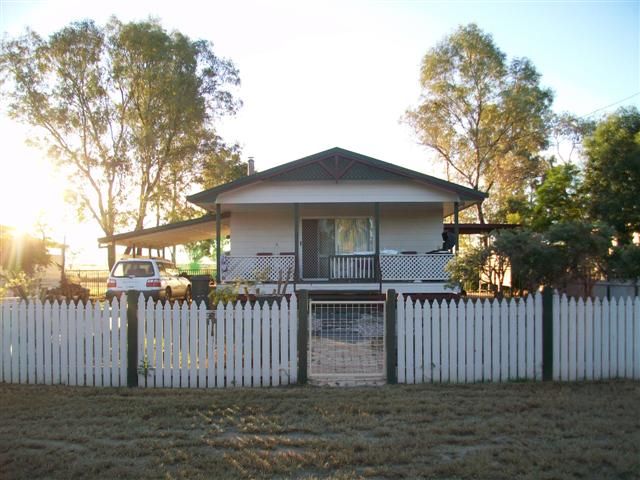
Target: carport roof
(177, 233)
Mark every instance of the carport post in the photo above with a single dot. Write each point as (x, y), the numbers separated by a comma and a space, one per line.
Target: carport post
(303, 335)
(132, 338)
(390, 336)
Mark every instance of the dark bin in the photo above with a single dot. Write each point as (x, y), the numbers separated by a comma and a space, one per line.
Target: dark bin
(200, 289)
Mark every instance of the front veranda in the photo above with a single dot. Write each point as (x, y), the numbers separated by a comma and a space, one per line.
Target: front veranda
(337, 247)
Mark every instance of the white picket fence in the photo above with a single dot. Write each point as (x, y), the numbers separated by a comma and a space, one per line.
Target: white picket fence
(249, 346)
(491, 340)
(595, 340)
(54, 343)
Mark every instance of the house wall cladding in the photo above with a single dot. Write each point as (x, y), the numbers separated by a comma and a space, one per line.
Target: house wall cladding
(416, 227)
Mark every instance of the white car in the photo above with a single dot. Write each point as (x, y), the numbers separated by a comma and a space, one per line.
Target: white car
(156, 278)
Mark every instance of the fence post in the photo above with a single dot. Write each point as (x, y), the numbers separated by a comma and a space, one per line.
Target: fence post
(132, 338)
(547, 333)
(303, 335)
(390, 337)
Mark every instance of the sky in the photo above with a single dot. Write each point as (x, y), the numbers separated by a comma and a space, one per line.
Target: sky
(316, 75)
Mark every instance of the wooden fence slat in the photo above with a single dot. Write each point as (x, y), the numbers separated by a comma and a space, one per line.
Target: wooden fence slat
(628, 363)
(418, 347)
(247, 314)
(81, 351)
(64, 344)
(409, 317)
(284, 343)
(255, 348)
(598, 335)
(22, 341)
(88, 343)
(109, 355)
(580, 350)
(56, 347)
(73, 342)
(621, 340)
(237, 346)
(158, 364)
(149, 327)
(522, 339)
(436, 360)
(427, 343)
(606, 339)
(613, 338)
(636, 338)
(573, 340)
(530, 323)
(184, 345)
(453, 342)
(98, 327)
(4, 348)
(486, 340)
(504, 340)
(229, 331)
(588, 339)
(400, 312)
(211, 347)
(203, 351)
(470, 340)
(48, 340)
(478, 343)
(176, 329)
(220, 345)
(31, 344)
(538, 336)
(7, 337)
(266, 345)
(496, 337)
(167, 345)
(275, 344)
(92, 323)
(193, 343)
(120, 350)
(40, 339)
(513, 338)
(464, 341)
(293, 338)
(444, 341)
(564, 338)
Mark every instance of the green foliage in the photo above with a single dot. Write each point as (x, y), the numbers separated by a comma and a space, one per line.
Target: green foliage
(558, 199)
(19, 283)
(612, 172)
(222, 294)
(485, 118)
(127, 109)
(624, 262)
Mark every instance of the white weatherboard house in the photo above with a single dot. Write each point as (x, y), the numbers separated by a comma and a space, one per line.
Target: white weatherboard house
(333, 221)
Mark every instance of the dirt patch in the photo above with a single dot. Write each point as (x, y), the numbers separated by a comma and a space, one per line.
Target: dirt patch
(520, 430)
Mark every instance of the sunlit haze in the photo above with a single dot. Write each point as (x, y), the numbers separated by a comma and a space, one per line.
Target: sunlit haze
(321, 74)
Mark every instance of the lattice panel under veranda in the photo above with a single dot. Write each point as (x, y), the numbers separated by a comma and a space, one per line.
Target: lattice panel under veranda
(415, 267)
(346, 340)
(258, 268)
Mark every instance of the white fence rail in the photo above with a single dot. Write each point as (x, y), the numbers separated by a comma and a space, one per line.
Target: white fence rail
(233, 346)
(491, 340)
(469, 341)
(60, 344)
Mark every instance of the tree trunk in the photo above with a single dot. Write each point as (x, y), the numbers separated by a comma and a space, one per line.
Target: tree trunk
(111, 255)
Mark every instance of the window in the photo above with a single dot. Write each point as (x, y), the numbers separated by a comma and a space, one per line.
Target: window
(133, 269)
(345, 236)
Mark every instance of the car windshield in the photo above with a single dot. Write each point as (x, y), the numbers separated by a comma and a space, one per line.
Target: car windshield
(133, 269)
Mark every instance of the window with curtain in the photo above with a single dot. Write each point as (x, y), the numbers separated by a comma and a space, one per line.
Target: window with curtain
(354, 235)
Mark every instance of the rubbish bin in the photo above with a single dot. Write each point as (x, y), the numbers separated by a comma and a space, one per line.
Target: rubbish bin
(200, 289)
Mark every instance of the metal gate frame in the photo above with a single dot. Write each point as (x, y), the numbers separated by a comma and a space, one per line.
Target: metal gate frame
(379, 375)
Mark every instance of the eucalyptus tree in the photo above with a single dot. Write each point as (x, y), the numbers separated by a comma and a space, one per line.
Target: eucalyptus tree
(486, 118)
(123, 108)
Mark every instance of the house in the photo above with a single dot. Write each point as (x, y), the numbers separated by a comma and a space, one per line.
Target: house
(334, 221)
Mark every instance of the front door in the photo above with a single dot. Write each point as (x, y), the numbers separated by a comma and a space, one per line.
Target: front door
(318, 244)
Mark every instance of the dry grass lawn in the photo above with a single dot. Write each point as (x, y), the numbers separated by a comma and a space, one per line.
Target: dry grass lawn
(518, 430)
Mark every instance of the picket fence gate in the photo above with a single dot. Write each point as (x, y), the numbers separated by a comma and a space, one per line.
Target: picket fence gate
(251, 345)
(502, 340)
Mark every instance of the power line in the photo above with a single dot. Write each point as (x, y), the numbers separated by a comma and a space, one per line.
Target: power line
(610, 105)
